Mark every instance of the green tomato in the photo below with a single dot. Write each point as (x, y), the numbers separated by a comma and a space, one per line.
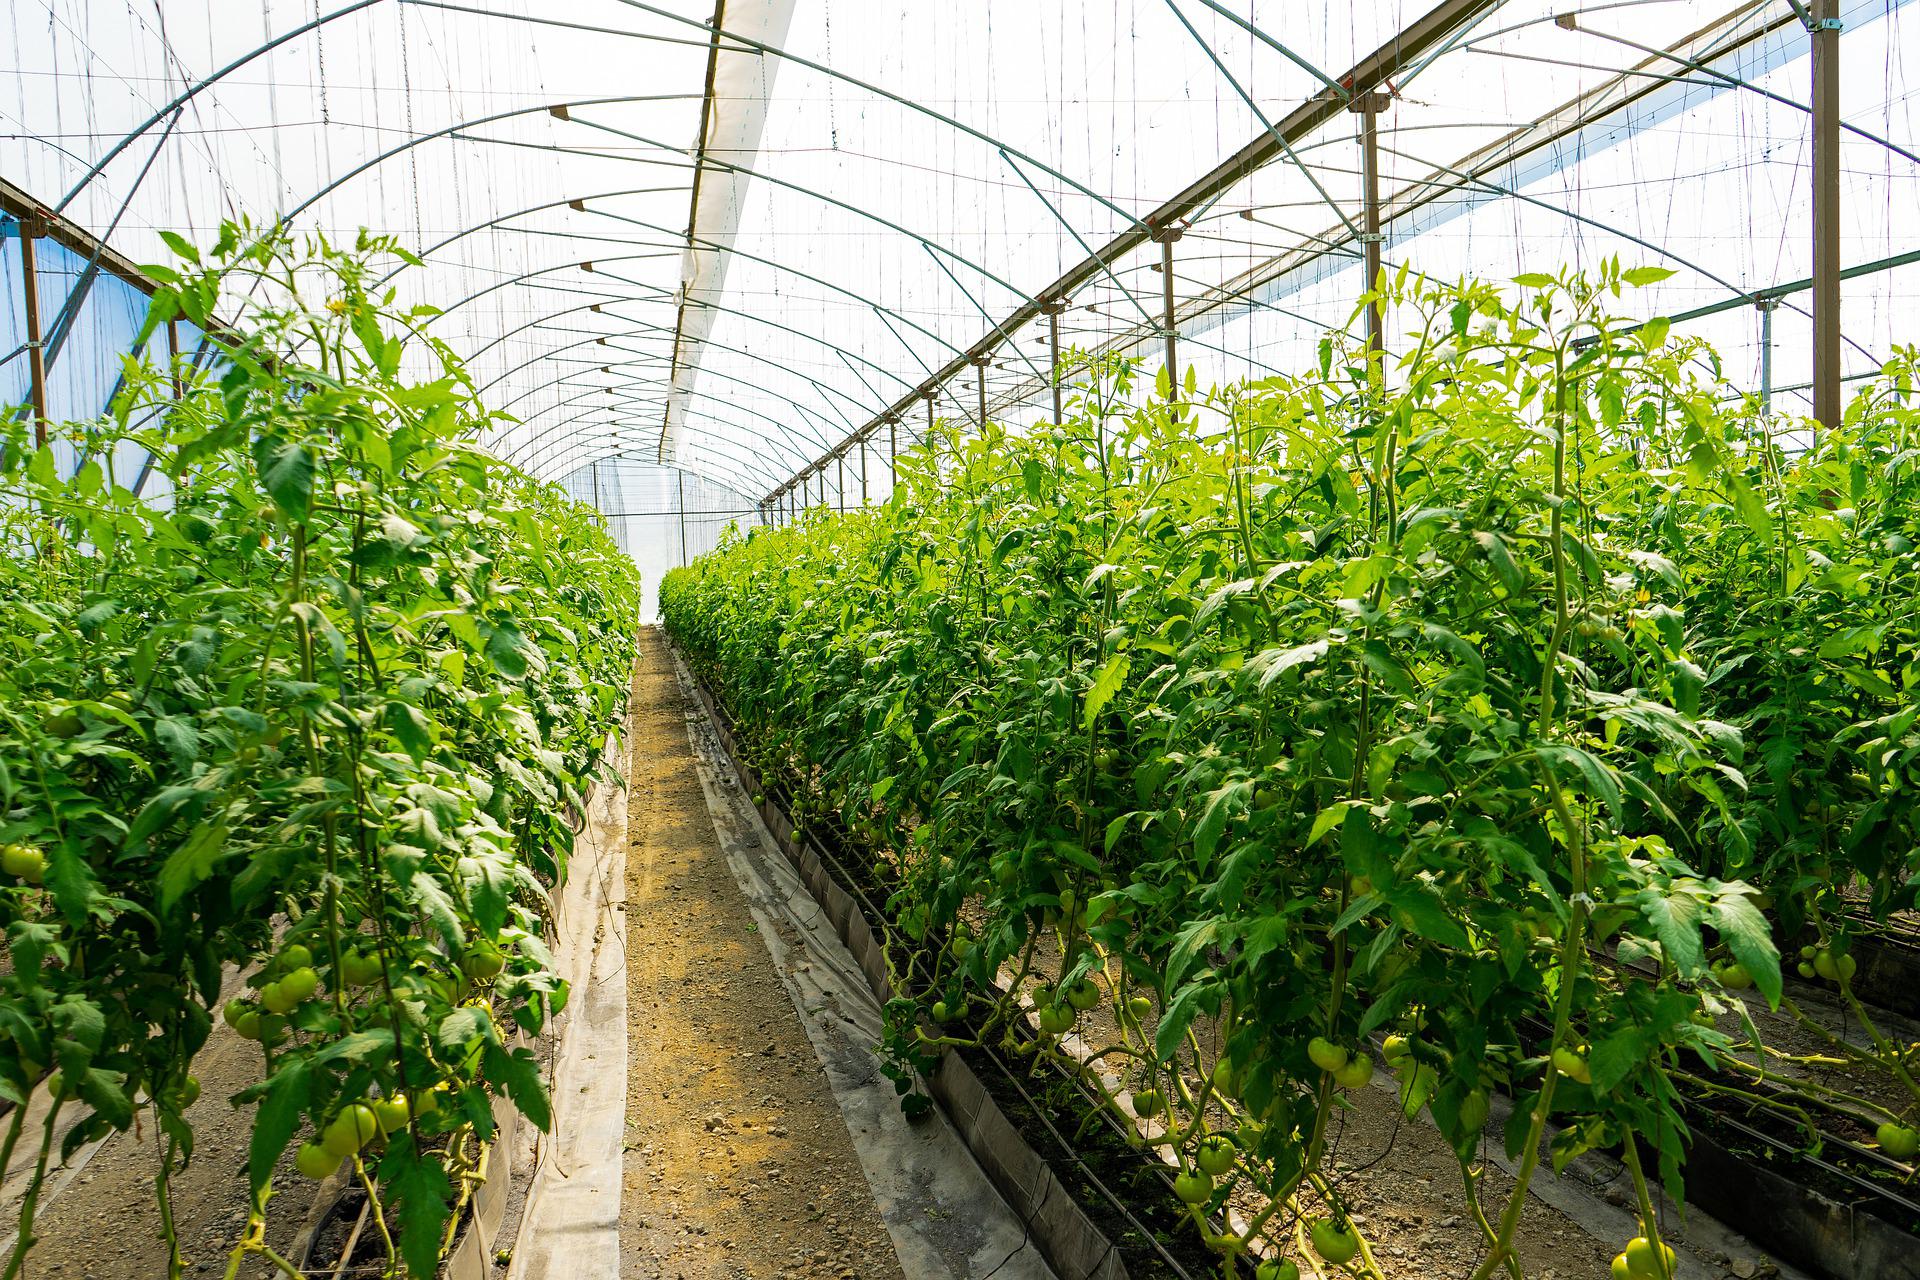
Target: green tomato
(1735, 977)
(234, 1011)
(1824, 964)
(1620, 1270)
(1643, 1263)
(1804, 969)
(23, 861)
(1356, 1074)
(247, 1025)
(1396, 1049)
(295, 957)
(391, 1113)
(1897, 1140)
(299, 985)
(1226, 1081)
(1193, 1188)
(1572, 1064)
(1284, 1269)
(1326, 1055)
(276, 998)
(1140, 1007)
(1215, 1156)
(482, 962)
(942, 1012)
(1334, 1243)
(315, 1161)
(1146, 1103)
(1057, 1019)
(349, 1131)
(186, 1093)
(1084, 994)
(357, 968)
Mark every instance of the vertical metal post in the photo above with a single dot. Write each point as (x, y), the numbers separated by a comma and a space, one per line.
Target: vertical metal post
(1766, 307)
(1368, 107)
(30, 229)
(680, 479)
(173, 359)
(863, 471)
(893, 451)
(1166, 238)
(1053, 307)
(840, 480)
(1825, 39)
(980, 364)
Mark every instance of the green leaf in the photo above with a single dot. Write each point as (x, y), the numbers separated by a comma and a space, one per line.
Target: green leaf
(1674, 914)
(274, 1124)
(1563, 758)
(192, 862)
(519, 1072)
(286, 472)
(1112, 673)
(179, 738)
(1500, 556)
(1271, 664)
(1640, 276)
(1750, 506)
(1179, 1014)
(419, 1185)
(1533, 280)
(407, 724)
(1744, 929)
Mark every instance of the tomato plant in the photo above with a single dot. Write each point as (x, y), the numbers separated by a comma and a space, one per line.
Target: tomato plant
(1465, 703)
(320, 712)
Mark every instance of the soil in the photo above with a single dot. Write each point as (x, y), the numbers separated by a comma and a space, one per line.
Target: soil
(739, 1165)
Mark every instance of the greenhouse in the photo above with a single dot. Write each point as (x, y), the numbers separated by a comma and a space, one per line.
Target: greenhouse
(784, 641)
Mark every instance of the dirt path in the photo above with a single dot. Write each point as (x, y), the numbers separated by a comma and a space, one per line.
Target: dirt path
(739, 1165)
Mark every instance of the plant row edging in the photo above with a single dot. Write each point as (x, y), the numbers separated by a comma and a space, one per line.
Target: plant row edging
(1074, 1247)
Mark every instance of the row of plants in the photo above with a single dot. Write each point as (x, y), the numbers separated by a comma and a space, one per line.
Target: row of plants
(322, 714)
(1503, 704)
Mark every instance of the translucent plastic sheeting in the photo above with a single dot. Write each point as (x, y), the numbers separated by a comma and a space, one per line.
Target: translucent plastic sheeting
(884, 183)
(661, 516)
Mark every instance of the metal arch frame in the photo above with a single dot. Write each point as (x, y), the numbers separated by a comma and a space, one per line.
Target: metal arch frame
(781, 444)
(747, 44)
(524, 276)
(1369, 73)
(619, 390)
(777, 265)
(824, 198)
(742, 408)
(823, 388)
(745, 382)
(572, 201)
(743, 467)
(453, 130)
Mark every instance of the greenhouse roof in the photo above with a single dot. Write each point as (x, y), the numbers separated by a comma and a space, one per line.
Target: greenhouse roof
(737, 240)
